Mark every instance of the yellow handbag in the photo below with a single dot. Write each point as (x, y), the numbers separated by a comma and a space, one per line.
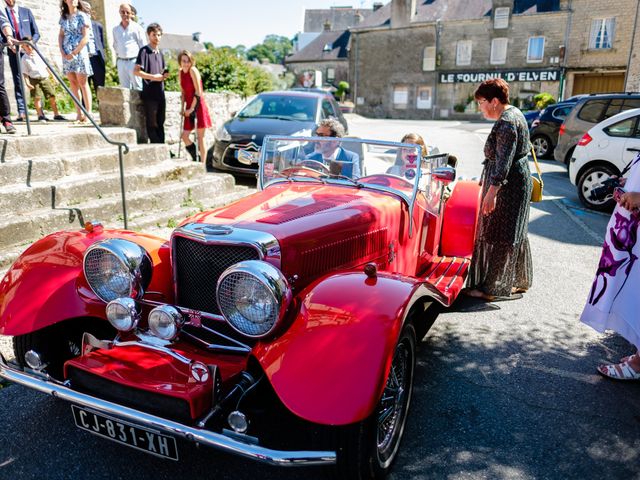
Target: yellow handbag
(538, 184)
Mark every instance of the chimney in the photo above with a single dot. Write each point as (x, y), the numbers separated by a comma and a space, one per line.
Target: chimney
(327, 26)
(377, 6)
(195, 36)
(402, 12)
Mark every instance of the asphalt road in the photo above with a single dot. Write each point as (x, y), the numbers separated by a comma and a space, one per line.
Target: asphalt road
(503, 390)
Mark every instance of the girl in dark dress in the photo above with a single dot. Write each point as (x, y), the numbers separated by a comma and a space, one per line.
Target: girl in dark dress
(501, 265)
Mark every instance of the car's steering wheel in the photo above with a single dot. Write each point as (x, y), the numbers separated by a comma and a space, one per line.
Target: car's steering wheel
(303, 170)
(315, 165)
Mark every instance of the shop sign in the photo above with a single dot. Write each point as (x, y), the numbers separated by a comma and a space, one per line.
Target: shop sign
(508, 75)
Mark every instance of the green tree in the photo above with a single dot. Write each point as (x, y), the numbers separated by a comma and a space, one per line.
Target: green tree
(274, 49)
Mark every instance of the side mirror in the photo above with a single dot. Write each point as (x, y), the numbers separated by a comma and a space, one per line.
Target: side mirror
(233, 114)
(444, 174)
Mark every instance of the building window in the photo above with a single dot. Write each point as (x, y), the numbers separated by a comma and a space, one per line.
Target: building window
(499, 51)
(501, 18)
(463, 52)
(423, 101)
(400, 96)
(602, 30)
(331, 74)
(535, 52)
(429, 59)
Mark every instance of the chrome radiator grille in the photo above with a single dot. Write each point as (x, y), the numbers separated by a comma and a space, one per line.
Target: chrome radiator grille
(198, 267)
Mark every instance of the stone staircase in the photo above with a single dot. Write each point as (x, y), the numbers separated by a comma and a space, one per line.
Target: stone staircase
(64, 175)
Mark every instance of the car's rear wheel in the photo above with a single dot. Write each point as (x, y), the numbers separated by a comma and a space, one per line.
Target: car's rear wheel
(593, 178)
(542, 145)
(367, 449)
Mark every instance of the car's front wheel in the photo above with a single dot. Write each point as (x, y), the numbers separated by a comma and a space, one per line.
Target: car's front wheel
(367, 449)
(541, 145)
(591, 179)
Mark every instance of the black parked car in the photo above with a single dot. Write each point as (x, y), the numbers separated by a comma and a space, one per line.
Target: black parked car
(544, 130)
(238, 141)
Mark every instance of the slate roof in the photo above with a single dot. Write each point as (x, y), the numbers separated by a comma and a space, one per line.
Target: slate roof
(176, 42)
(340, 18)
(338, 41)
(432, 10)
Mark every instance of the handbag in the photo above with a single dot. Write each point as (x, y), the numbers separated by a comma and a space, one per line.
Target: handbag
(538, 184)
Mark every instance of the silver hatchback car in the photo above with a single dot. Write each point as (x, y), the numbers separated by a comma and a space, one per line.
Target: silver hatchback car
(589, 111)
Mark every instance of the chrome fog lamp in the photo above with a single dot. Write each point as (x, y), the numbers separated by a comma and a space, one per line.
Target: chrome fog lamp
(116, 268)
(238, 421)
(165, 322)
(123, 314)
(253, 296)
(34, 360)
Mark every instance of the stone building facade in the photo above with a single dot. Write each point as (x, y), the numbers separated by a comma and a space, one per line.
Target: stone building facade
(599, 39)
(426, 61)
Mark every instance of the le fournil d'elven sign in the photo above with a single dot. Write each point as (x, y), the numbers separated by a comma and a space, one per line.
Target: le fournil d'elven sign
(508, 75)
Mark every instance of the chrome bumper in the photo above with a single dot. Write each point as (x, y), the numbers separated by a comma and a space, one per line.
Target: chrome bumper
(196, 435)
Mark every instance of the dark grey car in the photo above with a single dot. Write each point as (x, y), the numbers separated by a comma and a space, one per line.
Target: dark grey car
(588, 112)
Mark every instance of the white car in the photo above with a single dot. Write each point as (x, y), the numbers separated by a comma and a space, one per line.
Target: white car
(604, 152)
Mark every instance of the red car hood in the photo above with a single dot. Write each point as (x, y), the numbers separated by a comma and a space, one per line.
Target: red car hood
(319, 227)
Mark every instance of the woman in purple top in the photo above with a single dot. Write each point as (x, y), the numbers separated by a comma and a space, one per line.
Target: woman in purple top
(72, 39)
(613, 302)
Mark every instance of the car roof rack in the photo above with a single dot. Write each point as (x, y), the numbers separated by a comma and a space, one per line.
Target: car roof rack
(614, 93)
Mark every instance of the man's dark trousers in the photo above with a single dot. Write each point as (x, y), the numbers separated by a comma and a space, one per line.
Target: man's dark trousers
(17, 85)
(5, 109)
(99, 72)
(155, 111)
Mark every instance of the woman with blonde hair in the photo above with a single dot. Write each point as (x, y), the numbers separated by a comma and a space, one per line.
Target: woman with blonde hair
(72, 39)
(193, 106)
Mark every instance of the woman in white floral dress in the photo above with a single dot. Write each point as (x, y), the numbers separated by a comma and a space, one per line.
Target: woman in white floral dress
(72, 39)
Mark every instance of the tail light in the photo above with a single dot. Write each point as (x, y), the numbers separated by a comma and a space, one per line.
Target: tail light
(562, 130)
(585, 140)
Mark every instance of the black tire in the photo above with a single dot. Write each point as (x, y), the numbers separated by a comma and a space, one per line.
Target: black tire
(542, 145)
(591, 177)
(58, 343)
(367, 449)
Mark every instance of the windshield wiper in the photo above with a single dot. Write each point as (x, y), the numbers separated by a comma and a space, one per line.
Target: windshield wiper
(344, 177)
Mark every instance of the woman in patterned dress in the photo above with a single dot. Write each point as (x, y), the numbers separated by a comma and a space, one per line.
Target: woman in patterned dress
(501, 265)
(613, 303)
(72, 39)
(194, 108)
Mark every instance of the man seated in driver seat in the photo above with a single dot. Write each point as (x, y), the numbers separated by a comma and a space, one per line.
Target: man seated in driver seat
(338, 160)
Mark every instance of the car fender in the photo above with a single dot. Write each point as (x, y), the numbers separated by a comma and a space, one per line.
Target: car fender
(46, 284)
(331, 364)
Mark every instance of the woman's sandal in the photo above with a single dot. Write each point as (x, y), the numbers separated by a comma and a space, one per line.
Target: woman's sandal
(628, 358)
(518, 290)
(619, 371)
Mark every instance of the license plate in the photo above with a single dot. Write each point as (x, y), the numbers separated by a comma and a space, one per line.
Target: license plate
(246, 157)
(147, 440)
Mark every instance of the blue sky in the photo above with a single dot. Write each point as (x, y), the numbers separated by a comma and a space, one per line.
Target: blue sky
(234, 22)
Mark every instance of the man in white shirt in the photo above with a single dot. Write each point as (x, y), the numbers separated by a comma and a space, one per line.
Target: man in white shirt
(128, 38)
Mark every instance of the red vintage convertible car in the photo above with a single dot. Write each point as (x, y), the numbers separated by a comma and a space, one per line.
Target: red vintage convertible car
(282, 328)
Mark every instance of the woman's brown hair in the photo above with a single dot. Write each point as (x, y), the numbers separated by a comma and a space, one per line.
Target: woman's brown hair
(416, 139)
(493, 88)
(64, 9)
(186, 53)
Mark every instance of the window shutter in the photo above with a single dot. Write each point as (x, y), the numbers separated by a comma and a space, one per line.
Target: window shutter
(501, 18)
(498, 51)
(429, 59)
(463, 52)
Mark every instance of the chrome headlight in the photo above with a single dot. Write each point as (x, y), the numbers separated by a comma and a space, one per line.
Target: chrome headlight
(223, 135)
(117, 268)
(123, 314)
(165, 322)
(253, 296)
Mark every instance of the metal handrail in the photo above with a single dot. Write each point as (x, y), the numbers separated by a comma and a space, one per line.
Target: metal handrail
(121, 145)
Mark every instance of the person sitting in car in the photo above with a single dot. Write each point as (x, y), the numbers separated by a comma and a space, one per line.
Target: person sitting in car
(337, 160)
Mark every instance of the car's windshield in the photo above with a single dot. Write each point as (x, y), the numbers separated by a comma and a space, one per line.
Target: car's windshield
(284, 107)
(354, 162)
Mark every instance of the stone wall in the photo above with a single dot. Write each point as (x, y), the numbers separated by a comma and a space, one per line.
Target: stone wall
(123, 107)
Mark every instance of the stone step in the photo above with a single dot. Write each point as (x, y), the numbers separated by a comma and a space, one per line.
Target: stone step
(60, 139)
(73, 190)
(169, 200)
(56, 166)
(160, 222)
